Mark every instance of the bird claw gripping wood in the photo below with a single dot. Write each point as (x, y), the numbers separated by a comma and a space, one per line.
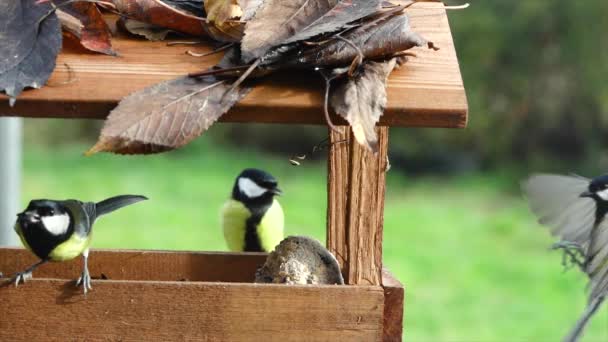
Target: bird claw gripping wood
(22, 277)
(85, 280)
(574, 254)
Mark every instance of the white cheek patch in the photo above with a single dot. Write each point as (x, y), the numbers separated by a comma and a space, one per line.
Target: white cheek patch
(250, 188)
(56, 224)
(603, 194)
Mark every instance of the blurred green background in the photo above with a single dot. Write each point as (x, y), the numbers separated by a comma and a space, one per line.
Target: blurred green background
(458, 234)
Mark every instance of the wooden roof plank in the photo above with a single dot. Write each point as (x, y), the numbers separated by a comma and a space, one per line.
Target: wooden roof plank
(427, 92)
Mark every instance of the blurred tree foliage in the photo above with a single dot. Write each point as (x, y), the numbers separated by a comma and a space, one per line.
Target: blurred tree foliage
(535, 74)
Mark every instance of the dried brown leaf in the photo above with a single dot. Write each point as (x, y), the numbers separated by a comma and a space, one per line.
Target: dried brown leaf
(149, 31)
(84, 21)
(159, 13)
(220, 11)
(249, 8)
(338, 17)
(223, 18)
(30, 39)
(166, 116)
(276, 21)
(361, 100)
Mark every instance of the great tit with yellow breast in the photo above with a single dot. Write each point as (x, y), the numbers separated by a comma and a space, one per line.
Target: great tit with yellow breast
(253, 219)
(575, 210)
(61, 230)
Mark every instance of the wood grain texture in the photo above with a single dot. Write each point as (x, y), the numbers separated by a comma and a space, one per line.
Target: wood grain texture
(356, 188)
(426, 92)
(142, 265)
(393, 307)
(44, 309)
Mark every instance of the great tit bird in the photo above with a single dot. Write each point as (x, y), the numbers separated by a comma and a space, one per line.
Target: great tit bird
(575, 210)
(61, 230)
(253, 219)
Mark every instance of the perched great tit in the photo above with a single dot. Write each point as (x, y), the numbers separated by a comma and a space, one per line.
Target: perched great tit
(61, 230)
(253, 219)
(575, 210)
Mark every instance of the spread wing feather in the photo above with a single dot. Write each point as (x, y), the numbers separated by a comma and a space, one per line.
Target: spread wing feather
(556, 201)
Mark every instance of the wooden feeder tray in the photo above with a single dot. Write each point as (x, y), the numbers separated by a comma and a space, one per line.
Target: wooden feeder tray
(162, 296)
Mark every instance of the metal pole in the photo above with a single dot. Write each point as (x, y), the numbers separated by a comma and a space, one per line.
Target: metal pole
(10, 178)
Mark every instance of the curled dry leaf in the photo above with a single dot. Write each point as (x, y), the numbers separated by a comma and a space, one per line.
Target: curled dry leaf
(149, 31)
(337, 18)
(30, 39)
(376, 39)
(84, 21)
(224, 24)
(166, 116)
(220, 11)
(159, 13)
(227, 18)
(276, 21)
(361, 100)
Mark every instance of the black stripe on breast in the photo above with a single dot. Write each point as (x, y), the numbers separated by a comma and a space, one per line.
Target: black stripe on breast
(252, 240)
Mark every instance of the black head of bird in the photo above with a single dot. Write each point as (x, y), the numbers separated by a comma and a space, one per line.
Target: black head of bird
(598, 189)
(255, 188)
(44, 224)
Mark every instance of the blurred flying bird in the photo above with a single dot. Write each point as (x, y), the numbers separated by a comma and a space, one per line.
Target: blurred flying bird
(574, 208)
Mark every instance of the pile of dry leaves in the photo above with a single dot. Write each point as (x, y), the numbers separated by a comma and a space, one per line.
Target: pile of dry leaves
(353, 44)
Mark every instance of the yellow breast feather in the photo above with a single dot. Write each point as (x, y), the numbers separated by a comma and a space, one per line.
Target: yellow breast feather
(234, 215)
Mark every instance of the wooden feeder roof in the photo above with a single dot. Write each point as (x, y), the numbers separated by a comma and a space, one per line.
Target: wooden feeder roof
(426, 92)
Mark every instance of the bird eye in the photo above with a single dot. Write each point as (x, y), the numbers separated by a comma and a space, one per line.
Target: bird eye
(269, 184)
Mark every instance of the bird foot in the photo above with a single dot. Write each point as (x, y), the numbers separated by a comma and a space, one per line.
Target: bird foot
(22, 277)
(85, 281)
(574, 254)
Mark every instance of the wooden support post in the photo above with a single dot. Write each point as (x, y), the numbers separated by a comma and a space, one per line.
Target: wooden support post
(356, 187)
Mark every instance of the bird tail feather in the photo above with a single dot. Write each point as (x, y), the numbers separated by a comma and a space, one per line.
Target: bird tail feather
(577, 331)
(114, 203)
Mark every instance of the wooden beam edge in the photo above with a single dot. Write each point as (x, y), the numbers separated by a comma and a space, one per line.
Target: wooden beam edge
(394, 297)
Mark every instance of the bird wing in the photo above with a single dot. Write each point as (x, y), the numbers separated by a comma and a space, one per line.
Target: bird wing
(83, 216)
(556, 200)
(597, 261)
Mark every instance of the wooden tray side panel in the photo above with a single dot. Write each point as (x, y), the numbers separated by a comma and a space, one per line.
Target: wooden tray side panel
(43, 309)
(142, 265)
(427, 92)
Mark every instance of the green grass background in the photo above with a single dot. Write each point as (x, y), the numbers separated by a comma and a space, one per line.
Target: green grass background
(475, 265)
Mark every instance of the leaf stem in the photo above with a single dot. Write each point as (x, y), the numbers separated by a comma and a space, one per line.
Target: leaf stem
(241, 79)
(212, 52)
(358, 60)
(328, 80)
(218, 71)
(193, 93)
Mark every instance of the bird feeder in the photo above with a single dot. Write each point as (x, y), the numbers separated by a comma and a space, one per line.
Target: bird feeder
(154, 295)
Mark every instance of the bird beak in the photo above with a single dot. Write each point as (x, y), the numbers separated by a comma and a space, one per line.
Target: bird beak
(30, 216)
(276, 191)
(586, 194)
